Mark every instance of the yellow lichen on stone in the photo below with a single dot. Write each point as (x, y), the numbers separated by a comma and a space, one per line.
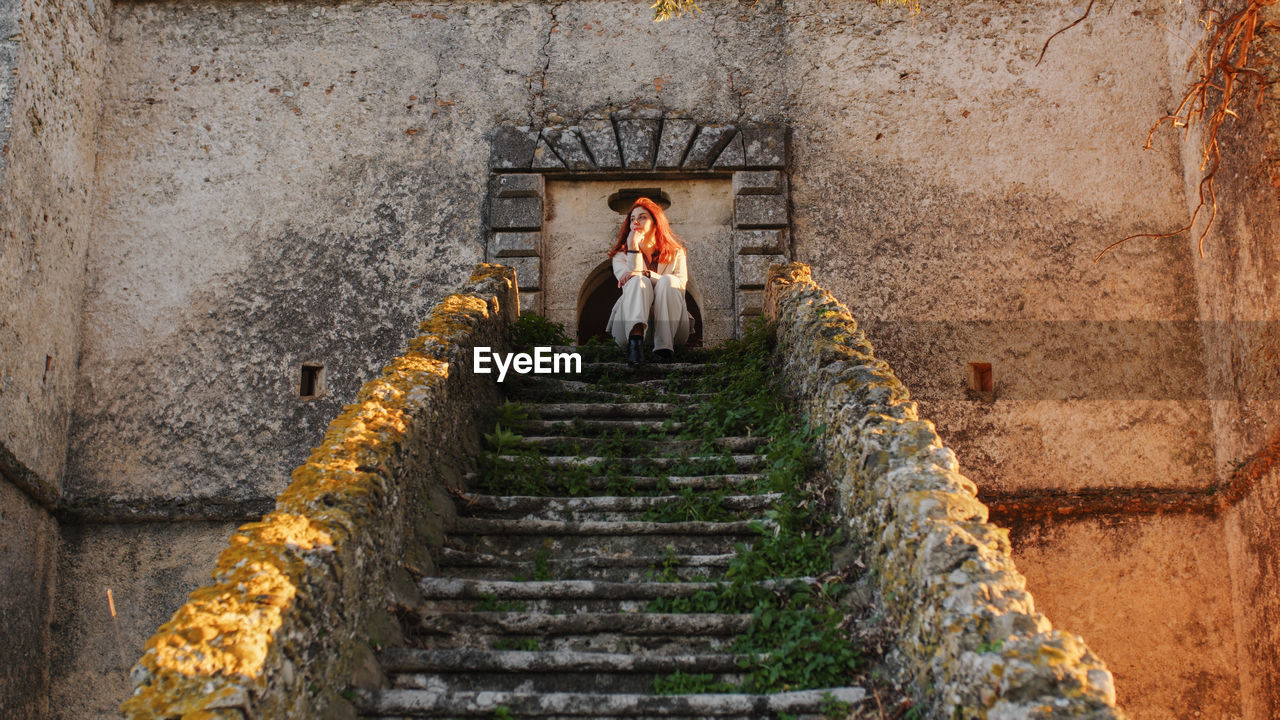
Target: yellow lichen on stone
(225, 629)
(220, 648)
(453, 316)
(291, 530)
(415, 368)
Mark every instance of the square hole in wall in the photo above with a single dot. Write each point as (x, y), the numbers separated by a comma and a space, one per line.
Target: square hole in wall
(311, 381)
(980, 377)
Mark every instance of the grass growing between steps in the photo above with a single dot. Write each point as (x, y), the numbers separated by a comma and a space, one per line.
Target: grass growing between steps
(798, 638)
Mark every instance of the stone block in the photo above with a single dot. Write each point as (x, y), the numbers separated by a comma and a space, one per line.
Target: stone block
(545, 158)
(750, 302)
(638, 138)
(759, 182)
(601, 142)
(528, 273)
(515, 244)
(751, 269)
(759, 242)
(519, 213)
(513, 148)
(569, 147)
(732, 157)
(743, 321)
(531, 302)
(765, 146)
(707, 145)
(676, 134)
(519, 185)
(759, 211)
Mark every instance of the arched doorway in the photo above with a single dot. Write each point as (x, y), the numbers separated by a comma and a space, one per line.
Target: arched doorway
(600, 291)
(556, 193)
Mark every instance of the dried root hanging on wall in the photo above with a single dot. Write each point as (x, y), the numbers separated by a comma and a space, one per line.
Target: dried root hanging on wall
(1228, 74)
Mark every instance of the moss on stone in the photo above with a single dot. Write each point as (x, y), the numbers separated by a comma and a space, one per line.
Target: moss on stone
(946, 574)
(281, 587)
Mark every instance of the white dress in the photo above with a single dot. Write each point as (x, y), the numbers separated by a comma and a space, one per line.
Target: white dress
(657, 302)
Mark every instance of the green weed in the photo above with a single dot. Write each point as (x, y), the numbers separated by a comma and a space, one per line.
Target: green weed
(533, 329)
(682, 683)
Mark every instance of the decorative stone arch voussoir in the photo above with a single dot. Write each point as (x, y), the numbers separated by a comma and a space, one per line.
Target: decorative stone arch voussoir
(637, 146)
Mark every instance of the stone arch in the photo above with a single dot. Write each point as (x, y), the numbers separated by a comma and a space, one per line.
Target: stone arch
(634, 146)
(598, 294)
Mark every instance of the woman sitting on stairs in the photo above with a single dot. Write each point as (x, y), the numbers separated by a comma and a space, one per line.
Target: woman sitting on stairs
(649, 263)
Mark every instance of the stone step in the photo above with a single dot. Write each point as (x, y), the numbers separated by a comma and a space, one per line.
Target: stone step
(617, 568)
(597, 681)
(598, 426)
(429, 703)
(534, 549)
(555, 384)
(442, 588)
(608, 410)
(736, 461)
(623, 394)
(636, 624)
(596, 642)
(536, 526)
(528, 506)
(687, 354)
(608, 373)
(468, 660)
(565, 444)
(546, 670)
(672, 634)
(648, 483)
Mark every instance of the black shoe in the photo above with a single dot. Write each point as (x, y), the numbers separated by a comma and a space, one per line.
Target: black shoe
(663, 356)
(635, 351)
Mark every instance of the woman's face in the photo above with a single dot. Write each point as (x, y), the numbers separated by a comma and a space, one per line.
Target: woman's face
(642, 223)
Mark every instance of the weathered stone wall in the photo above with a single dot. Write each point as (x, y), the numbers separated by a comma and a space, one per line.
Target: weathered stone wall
(10, 15)
(45, 201)
(1166, 584)
(280, 184)
(296, 598)
(149, 568)
(28, 552)
(955, 198)
(969, 634)
(1237, 284)
(295, 151)
(51, 67)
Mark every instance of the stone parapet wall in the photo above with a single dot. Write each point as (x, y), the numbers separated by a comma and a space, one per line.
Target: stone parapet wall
(286, 623)
(969, 635)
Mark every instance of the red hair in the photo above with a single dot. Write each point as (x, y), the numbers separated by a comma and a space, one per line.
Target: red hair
(667, 244)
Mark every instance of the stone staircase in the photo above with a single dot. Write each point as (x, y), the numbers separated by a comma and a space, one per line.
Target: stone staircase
(571, 536)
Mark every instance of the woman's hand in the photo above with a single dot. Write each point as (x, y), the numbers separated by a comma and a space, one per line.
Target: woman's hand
(627, 278)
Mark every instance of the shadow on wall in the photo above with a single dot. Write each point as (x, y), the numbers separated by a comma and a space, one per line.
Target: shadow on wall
(600, 291)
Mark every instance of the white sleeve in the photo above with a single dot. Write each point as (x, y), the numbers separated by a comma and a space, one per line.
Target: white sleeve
(624, 262)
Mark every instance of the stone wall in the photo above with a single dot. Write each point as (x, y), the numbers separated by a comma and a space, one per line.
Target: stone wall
(313, 163)
(149, 569)
(288, 184)
(298, 598)
(1237, 283)
(51, 70)
(28, 552)
(46, 200)
(969, 635)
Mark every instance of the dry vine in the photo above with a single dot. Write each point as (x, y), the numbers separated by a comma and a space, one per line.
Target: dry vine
(1224, 72)
(1079, 20)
